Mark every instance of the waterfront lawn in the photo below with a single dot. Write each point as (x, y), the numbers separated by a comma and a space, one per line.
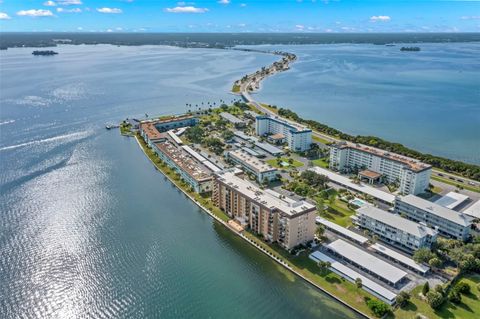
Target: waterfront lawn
(236, 88)
(125, 129)
(274, 162)
(331, 282)
(469, 308)
(320, 140)
(454, 183)
(320, 162)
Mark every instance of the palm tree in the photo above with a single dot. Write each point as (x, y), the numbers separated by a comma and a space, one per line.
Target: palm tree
(358, 282)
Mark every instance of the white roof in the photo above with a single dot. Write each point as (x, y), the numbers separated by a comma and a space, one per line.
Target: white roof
(451, 200)
(231, 118)
(347, 272)
(367, 261)
(401, 258)
(396, 221)
(251, 161)
(197, 156)
(175, 137)
(211, 166)
(435, 209)
(362, 188)
(268, 199)
(342, 230)
(268, 148)
(473, 210)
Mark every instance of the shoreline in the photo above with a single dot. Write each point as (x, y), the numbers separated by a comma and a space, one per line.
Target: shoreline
(279, 261)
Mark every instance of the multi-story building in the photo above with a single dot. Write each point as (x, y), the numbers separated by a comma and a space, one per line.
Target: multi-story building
(190, 170)
(150, 134)
(412, 176)
(251, 164)
(449, 223)
(395, 230)
(276, 217)
(298, 138)
(152, 130)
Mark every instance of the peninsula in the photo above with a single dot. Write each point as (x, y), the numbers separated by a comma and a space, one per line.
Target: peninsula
(317, 203)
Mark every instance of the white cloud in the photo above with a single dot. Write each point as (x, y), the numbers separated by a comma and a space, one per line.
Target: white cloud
(4, 16)
(242, 25)
(74, 10)
(470, 18)
(188, 9)
(299, 27)
(380, 18)
(35, 13)
(69, 2)
(109, 10)
(50, 3)
(243, 5)
(224, 1)
(79, 28)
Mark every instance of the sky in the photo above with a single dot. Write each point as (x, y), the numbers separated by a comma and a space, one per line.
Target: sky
(240, 16)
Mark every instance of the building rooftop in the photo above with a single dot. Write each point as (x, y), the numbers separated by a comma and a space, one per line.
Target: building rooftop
(396, 221)
(294, 126)
(278, 136)
(151, 131)
(400, 257)
(367, 284)
(251, 161)
(473, 210)
(231, 118)
(184, 160)
(367, 261)
(362, 188)
(451, 200)
(411, 163)
(342, 230)
(370, 174)
(435, 209)
(269, 199)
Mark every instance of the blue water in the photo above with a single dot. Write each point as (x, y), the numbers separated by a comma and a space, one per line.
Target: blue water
(88, 228)
(427, 100)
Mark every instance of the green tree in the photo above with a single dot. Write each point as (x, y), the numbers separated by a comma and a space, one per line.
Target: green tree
(423, 255)
(426, 288)
(462, 287)
(402, 298)
(435, 262)
(320, 205)
(378, 307)
(435, 299)
(320, 231)
(454, 296)
(358, 282)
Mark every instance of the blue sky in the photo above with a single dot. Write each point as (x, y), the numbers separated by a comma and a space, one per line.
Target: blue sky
(240, 16)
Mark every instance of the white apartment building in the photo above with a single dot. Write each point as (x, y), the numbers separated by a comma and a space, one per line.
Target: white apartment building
(298, 138)
(412, 175)
(395, 230)
(253, 165)
(276, 217)
(449, 223)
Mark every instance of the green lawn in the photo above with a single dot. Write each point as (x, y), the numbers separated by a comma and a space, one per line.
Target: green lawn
(320, 162)
(274, 163)
(125, 129)
(339, 213)
(236, 88)
(320, 140)
(454, 183)
(469, 308)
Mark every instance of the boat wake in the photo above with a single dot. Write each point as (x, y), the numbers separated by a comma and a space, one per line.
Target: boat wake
(69, 137)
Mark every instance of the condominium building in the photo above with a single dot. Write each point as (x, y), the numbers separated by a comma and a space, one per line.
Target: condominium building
(298, 138)
(412, 176)
(190, 170)
(153, 131)
(449, 223)
(251, 164)
(274, 216)
(395, 230)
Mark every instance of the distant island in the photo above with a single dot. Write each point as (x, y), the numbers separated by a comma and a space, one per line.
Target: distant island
(46, 52)
(410, 49)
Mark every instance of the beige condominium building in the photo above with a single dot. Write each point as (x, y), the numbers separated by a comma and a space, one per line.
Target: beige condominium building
(277, 218)
(261, 170)
(412, 176)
